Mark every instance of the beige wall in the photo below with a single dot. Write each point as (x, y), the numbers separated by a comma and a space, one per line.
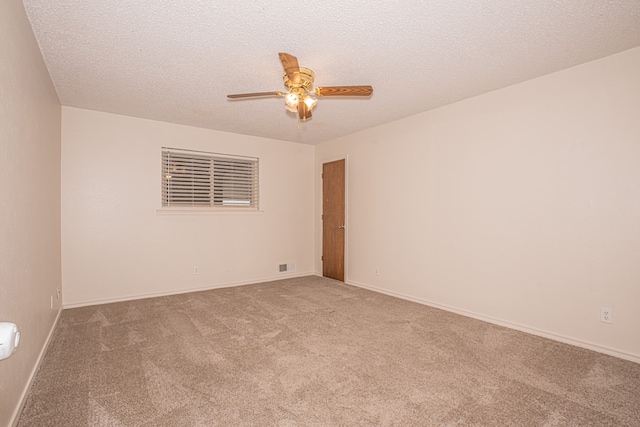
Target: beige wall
(521, 206)
(115, 245)
(29, 201)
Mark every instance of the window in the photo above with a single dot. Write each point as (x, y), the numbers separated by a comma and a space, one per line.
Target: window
(199, 179)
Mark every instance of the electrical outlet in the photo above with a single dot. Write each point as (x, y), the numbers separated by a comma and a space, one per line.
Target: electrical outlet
(196, 270)
(606, 315)
(58, 292)
(377, 271)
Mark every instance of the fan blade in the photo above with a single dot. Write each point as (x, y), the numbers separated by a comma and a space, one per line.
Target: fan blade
(303, 111)
(253, 95)
(344, 91)
(291, 67)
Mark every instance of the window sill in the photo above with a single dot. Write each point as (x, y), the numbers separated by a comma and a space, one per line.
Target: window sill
(207, 211)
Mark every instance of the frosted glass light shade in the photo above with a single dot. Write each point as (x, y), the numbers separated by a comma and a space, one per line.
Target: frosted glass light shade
(291, 100)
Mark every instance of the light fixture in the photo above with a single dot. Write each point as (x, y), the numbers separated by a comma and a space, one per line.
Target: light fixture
(311, 102)
(300, 85)
(291, 100)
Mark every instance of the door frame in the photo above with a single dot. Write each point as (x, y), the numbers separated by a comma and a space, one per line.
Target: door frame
(346, 211)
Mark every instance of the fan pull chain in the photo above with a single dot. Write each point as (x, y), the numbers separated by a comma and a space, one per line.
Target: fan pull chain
(298, 122)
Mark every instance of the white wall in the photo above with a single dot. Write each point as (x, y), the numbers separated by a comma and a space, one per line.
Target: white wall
(521, 206)
(115, 245)
(29, 201)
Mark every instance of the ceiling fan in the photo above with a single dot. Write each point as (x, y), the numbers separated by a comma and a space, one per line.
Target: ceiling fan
(300, 96)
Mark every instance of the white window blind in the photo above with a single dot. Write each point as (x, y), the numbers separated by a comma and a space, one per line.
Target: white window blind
(199, 179)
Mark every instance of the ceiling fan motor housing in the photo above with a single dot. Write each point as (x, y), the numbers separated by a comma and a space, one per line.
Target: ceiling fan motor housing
(306, 80)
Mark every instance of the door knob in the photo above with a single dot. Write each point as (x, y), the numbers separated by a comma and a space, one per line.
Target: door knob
(341, 227)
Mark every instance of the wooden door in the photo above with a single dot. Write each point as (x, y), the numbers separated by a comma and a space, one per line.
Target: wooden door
(333, 224)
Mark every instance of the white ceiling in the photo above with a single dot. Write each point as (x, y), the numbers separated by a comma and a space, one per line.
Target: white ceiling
(176, 60)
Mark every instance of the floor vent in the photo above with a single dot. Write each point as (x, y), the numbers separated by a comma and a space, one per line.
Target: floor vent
(284, 268)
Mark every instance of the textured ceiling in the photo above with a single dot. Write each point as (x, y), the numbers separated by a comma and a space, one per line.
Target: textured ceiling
(176, 60)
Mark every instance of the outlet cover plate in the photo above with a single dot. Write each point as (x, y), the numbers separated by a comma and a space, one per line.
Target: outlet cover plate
(606, 315)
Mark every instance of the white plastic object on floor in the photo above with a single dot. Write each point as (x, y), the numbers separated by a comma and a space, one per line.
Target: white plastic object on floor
(9, 339)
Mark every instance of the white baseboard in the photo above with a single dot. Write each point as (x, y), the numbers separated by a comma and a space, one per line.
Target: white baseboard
(186, 291)
(530, 330)
(25, 391)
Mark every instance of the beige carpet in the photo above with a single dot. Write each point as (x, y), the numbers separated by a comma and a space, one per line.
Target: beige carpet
(312, 351)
